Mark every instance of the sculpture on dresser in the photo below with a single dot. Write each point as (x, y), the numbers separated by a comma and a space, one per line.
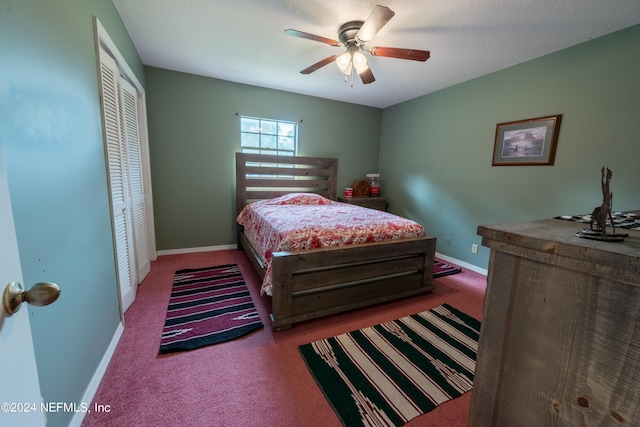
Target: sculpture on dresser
(601, 213)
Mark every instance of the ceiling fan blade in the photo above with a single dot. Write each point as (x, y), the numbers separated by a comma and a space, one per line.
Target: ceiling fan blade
(394, 52)
(303, 35)
(376, 20)
(367, 76)
(319, 64)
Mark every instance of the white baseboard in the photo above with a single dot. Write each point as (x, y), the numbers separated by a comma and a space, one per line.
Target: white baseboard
(92, 388)
(462, 264)
(200, 249)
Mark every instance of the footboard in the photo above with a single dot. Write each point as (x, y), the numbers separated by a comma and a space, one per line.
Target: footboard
(312, 283)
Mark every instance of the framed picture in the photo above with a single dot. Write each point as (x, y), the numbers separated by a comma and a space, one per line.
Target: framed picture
(527, 142)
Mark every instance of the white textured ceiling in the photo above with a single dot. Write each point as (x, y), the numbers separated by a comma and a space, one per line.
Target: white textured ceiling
(243, 40)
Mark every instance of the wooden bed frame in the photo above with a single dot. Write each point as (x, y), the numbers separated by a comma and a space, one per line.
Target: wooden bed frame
(309, 284)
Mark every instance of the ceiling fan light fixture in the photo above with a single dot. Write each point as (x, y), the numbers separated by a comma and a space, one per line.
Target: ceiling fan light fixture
(355, 36)
(359, 62)
(345, 62)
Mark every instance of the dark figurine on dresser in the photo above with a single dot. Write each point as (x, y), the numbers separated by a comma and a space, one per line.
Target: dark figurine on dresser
(601, 213)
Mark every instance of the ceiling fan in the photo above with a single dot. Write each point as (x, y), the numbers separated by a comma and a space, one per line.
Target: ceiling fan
(354, 35)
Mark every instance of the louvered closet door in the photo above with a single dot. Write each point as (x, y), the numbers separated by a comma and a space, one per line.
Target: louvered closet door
(116, 153)
(130, 125)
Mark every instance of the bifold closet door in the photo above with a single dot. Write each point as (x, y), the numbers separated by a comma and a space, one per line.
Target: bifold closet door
(122, 150)
(131, 138)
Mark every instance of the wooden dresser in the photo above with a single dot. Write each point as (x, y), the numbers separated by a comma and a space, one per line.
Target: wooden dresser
(379, 203)
(560, 337)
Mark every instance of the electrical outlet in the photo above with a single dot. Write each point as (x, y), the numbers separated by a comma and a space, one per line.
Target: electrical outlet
(474, 249)
(447, 241)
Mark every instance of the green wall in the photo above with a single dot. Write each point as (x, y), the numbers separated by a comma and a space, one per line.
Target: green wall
(50, 133)
(436, 150)
(434, 154)
(194, 133)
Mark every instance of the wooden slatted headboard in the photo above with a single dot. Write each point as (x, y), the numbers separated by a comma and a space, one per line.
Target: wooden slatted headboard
(262, 176)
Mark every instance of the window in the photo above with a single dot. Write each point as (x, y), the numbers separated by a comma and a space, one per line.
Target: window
(267, 136)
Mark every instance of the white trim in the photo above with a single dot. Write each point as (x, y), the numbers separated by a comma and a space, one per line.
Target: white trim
(103, 39)
(462, 264)
(146, 170)
(92, 388)
(200, 249)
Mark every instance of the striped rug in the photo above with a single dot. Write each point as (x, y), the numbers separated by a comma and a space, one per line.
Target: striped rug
(208, 306)
(388, 374)
(441, 269)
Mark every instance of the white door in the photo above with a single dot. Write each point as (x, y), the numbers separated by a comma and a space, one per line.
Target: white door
(130, 126)
(117, 162)
(127, 153)
(19, 386)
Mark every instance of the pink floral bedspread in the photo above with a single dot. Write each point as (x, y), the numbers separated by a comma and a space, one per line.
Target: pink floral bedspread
(306, 221)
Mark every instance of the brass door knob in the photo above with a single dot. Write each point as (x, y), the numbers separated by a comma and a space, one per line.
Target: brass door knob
(40, 294)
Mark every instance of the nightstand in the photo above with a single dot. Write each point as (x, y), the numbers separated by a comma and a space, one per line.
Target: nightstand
(379, 203)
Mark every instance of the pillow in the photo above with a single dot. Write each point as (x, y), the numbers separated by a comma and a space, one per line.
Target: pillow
(300, 199)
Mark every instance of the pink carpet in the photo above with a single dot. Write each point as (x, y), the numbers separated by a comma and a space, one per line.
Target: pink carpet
(259, 379)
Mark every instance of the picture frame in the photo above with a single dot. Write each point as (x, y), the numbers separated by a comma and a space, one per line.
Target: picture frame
(530, 142)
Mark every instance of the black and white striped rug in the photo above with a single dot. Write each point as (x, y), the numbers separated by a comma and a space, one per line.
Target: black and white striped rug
(388, 374)
(208, 306)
